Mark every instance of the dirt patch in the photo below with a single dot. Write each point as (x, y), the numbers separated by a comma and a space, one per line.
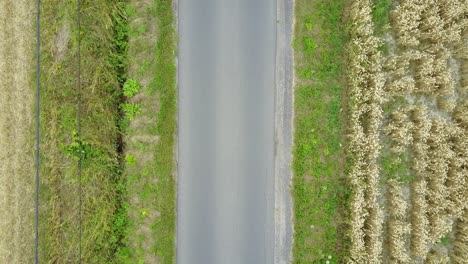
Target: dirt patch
(61, 42)
(16, 120)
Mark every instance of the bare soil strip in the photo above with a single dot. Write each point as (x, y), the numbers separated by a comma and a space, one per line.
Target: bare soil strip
(16, 120)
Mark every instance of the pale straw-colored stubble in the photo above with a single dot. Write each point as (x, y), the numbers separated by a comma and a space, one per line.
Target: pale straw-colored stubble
(17, 40)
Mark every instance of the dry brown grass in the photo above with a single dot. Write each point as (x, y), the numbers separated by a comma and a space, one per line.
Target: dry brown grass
(365, 88)
(423, 76)
(16, 120)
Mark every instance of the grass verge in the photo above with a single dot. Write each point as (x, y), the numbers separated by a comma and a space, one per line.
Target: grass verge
(150, 135)
(99, 143)
(319, 193)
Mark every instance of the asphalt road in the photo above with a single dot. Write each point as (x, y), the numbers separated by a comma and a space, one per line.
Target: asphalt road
(226, 75)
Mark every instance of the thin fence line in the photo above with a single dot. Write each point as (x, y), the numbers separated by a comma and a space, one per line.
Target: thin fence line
(38, 86)
(79, 125)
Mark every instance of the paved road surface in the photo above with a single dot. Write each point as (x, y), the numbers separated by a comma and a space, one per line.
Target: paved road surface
(226, 131)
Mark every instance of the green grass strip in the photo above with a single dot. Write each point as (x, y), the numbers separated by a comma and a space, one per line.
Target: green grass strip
(150, 167)
(319, 192)
(165, 83)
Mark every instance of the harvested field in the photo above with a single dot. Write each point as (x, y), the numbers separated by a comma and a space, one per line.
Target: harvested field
(407, 133)
(16, 137)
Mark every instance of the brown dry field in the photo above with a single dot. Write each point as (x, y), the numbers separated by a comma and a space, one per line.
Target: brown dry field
(16, 135)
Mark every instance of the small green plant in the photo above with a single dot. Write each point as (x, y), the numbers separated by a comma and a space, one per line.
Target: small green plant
(309, 22)
(79, 149)
(309, 44)
(143, 213)
(130, 160)
(131, 110)
(445, 240)
(131, 88)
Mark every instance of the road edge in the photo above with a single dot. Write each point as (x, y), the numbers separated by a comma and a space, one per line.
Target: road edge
(284, 76)
(175, 9)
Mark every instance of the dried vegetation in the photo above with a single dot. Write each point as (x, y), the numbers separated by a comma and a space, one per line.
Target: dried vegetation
(408, 105)
(16, 139)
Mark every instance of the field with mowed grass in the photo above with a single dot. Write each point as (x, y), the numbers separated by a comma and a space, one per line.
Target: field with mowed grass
(16, 131)
(394, 187)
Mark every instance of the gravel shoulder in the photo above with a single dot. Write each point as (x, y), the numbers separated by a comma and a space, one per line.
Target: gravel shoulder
(16, 120)
(283, 131)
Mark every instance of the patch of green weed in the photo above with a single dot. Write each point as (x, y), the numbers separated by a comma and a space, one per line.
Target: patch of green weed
(130, 110)
(381, 15)
(131, 88)
(80, 149)
(130, 160)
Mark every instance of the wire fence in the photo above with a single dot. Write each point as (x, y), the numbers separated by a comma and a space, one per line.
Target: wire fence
(38, 89)
(79, 122)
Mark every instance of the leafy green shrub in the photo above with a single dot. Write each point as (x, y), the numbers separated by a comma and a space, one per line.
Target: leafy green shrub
(131, 88)
(120, 224)
(130, 160)
(130, 110)
(80, 149)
